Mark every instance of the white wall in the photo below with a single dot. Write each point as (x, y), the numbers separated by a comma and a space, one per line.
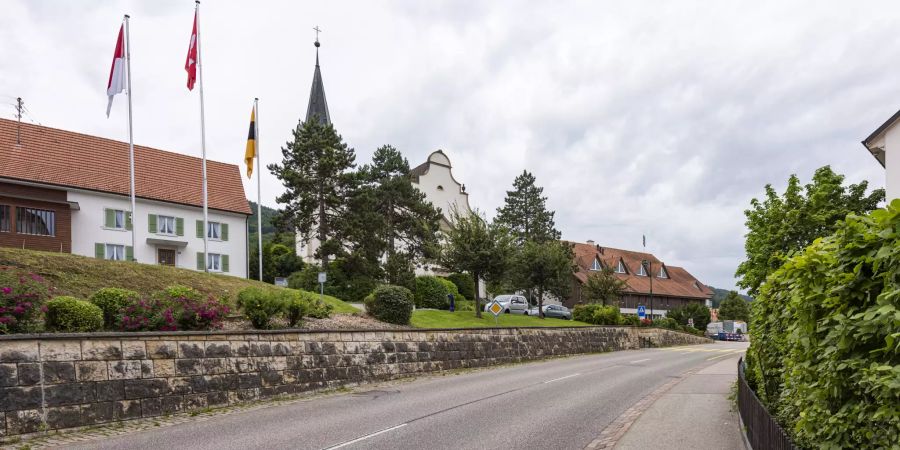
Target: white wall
(88, 229)
(439, 176)
(892, 163)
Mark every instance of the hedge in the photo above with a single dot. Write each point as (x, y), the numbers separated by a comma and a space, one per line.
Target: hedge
(825, 348)
(392, 304)
(72, 315)
(597, 314)
(112, 301)
(430, 293)
(465, 284)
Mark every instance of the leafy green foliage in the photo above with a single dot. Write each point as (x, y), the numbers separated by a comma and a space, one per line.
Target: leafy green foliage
(112, 301)
(296, 305)
(631, 321)
(177, 291)
(392, 304)
(348, 279)
(275, 264)
(430, 293)
(525, 212)
(71, 315)
(260, 306)
(721, 294)
(603, 286)
(825, 347)
(597, 314)
(399, 271)
(782, 224)
(452, 290)
(696, 311)
(734, 308)
(545, 267)
(465, 284)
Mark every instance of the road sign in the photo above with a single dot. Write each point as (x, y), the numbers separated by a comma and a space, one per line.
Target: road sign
(642, 312)
(323, 277)
(281, 281)
(691, 322)
(495, 308)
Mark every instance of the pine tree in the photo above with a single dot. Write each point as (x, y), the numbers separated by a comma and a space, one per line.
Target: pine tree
(315, 171)
(525, 212)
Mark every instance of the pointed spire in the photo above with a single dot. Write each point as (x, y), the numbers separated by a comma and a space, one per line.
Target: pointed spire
(318, 107)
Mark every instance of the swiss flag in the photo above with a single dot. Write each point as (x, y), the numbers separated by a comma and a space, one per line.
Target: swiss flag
(190, 64)
(116, 83)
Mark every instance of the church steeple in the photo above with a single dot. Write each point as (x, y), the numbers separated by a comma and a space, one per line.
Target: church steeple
(318, 107)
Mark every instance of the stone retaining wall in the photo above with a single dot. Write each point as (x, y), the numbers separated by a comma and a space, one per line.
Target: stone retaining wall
(68, 380)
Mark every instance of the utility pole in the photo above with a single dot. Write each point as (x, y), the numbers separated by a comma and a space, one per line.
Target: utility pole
(19, 117)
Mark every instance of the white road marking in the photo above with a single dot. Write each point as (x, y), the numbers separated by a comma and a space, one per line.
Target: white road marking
(344, 444)
(562, 378)
(640, 361)
(723, 355)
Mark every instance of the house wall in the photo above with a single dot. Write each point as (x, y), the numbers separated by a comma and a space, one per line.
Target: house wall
(14, 195)
(892, 163)
(88, 229)
(439, 175)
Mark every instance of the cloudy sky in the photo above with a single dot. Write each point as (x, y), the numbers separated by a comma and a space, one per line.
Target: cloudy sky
(657, 118)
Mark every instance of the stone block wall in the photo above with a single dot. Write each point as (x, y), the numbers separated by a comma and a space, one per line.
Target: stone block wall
(62, 381)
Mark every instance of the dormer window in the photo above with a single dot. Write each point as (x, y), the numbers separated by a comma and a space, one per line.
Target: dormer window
(440, 188)
(596, 265)
(641, 271)
(697, 285)
(662, 273)
(621, 267)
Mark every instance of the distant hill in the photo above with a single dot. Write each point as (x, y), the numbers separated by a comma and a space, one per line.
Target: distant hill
(720, 294)
(269, 230)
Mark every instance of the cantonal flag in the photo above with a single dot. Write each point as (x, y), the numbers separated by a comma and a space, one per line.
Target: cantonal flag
(190, 64)
(116, 82)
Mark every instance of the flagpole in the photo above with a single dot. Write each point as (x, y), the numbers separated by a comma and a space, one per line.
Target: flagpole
(203, 146)
(258, 186)
(130, 134)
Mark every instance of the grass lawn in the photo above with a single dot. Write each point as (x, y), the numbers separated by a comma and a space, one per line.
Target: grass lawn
(467, 319)
(81, 276)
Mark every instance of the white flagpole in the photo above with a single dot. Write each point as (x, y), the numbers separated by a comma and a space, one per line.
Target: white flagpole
(258, 185)
(130, 134)
(203, 147)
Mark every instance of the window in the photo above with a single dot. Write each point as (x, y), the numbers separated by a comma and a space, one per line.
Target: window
(40, 222)
(662, 273)
(214, 230)
(641, 271)
(115, 219)
(115, 252)
(596, 265)
(4, 218)
(621, 267)
(214, 262)
(165, 224)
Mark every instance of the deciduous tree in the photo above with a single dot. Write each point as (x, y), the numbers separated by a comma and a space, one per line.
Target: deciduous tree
(734, 308)
(603, 286)
(546, 267)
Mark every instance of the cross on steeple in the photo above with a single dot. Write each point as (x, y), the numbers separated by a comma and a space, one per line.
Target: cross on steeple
(317, 33)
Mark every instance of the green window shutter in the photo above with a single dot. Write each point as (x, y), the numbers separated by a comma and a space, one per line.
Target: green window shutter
(179, 226)
(129, 253)
(110, 221)
(224, 263)
(128, 223)
(201, 264)
(200, 229)
(224, 229)
(151, 219)
(100, 251)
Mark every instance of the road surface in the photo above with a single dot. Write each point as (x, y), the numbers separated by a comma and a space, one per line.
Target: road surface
(559, 404)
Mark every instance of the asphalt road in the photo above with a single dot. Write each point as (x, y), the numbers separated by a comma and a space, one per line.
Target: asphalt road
(558, 404)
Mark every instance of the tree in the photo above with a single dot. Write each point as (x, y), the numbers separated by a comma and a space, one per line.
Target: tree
(734, 308)
(696, 311)
(604, 286)
(525, 213)
(477, 247)
(315, 171)
(782, 224)
(546, 267)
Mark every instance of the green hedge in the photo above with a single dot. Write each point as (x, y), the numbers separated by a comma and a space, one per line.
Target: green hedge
(112, 301)
(430, 293)
(71, 315)
(260, 306)
(465, 284)
(597, 314)
(825, 346)
(392, 304)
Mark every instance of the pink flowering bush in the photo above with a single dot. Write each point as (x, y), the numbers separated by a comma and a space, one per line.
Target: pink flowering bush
(175, 308)
(22, 297)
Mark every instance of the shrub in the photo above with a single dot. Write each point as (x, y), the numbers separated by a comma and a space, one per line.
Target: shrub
(667, 323)
(606, 315)
(465, 305)
(347, 279)
(451, 290)
(392, 304)
(112, 301)
(148, 315)
(22, 295)
(697, 311)
(260, 306)
(317, 308)
(430, 293)
(71, 315)
(177, 291)
(296, 305)
(198, 314)
(631, 321)
(584, 313)
(465, 284)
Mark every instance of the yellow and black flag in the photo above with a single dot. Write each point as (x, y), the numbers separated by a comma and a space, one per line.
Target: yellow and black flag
(250, 153)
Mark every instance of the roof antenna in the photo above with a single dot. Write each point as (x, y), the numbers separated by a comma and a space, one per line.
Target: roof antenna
(19, 117)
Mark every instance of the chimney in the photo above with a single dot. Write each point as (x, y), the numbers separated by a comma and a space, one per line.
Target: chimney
(590, 242)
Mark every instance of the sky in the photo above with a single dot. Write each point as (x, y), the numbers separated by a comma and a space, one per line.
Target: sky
(649, 118)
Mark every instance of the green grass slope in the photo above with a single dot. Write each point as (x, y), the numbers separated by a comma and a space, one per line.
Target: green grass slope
(81, 276)
(467, 319)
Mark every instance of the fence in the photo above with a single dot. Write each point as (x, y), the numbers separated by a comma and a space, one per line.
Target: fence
(763, 431)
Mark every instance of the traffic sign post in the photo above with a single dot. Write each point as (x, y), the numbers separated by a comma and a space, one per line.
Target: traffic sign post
(323, 277)
(691, 322)
(496, 309)
(642, 312)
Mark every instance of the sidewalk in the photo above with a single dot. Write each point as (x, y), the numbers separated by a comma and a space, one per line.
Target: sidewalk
(696, 413)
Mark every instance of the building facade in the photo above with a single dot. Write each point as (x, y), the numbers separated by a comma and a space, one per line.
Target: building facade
(884, 145)
(68, 192)
(650, 283)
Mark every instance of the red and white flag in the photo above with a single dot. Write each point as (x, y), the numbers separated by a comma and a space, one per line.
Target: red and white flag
(117, 70)
(190, 64)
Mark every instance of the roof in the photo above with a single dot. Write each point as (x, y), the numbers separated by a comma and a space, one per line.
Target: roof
(67, 159)
(318, 106)
(869, 142)
(679, 284)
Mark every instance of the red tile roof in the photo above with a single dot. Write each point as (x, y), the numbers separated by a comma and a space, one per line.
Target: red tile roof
(64, 158)
(679, 284)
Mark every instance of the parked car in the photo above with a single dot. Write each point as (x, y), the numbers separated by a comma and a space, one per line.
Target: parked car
(555, 311)
(512, 304)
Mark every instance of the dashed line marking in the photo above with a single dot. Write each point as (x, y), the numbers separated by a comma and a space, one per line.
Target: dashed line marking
(362, 438)
(562, 378)
(640, 361)
(723, 355)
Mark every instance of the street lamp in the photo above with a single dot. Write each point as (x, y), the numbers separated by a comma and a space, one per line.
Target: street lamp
(648, 268)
